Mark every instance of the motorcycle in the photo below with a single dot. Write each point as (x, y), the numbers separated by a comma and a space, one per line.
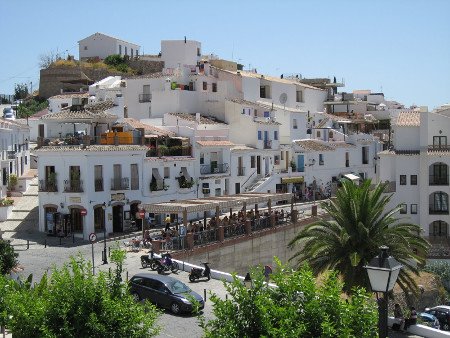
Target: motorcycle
(166, 264)
(149, 261)
(197, 273)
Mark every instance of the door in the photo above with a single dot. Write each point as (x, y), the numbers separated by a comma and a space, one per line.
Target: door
(41, 130)
(258, 165)
(117, 218)
(237, 188)
(76, 220)
(301, 163)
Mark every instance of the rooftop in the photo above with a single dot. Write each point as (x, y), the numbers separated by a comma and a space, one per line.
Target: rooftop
(192, 117)
(215, 143)
(408, 119)
(313, 145)
(88, 112)
(92, 148)
(69, 95)
(149, 130)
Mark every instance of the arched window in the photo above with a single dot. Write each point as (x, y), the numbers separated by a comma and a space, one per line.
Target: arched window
(99, 218)
(439, 203)
(439, 228)
(438, 174)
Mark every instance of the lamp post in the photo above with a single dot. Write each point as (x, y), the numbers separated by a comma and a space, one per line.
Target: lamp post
(105, 257)
(383, 272)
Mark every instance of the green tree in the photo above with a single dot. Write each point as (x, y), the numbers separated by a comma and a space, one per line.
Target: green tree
(114, 60)
(71, 302)
(30, 107)
(359, 225)
(20, 91)
(297, 307)
(8, 258)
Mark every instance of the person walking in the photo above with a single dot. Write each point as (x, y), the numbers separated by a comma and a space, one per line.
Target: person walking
(412, 319)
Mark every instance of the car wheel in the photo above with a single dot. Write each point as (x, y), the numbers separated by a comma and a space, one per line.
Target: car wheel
(136, 297)
(175, 308)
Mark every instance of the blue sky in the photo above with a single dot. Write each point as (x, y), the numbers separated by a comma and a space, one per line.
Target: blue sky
(400, 47)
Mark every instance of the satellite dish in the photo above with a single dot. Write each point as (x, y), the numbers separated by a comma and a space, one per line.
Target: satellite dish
(283, 98)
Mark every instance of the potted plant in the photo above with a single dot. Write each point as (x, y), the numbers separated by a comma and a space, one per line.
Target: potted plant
(293, 166)
(12, 182)
(6, 206)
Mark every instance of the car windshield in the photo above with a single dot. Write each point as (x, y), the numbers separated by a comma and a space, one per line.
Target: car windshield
(178, 287)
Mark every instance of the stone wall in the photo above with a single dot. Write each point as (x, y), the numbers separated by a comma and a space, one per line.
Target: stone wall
(146, 67)
(242, 253)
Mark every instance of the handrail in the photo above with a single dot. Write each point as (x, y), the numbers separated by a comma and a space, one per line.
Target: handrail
(243, 184)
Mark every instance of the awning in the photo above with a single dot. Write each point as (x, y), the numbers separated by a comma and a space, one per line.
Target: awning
(300, 179)
(352, 177)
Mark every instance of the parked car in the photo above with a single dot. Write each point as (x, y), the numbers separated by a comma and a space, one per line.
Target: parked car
(442, 313)
(428, 319)
(8, 113)
(164, 291)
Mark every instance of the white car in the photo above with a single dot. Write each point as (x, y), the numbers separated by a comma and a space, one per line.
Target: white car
(8, 114)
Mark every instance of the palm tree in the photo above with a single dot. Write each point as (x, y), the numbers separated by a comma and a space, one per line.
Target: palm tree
(359, 225)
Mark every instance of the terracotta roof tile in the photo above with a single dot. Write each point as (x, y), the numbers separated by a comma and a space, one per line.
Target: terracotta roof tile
(149, 129)
(313, 145)
(340, 144)
(92, 148)
(146, 76)
(91, 111)
(69, 95)
(215, 143)
(191, 117)
(408, 119)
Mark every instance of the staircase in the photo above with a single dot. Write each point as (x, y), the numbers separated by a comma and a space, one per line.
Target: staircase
(256, 183)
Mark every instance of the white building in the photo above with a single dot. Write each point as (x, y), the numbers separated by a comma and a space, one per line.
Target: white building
(100, 46)
(417, 169)
(58, 102)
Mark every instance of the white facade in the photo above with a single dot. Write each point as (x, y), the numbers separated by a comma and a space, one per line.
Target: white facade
(418, 169)
(177, 53)
(58, 102)
(100, 46)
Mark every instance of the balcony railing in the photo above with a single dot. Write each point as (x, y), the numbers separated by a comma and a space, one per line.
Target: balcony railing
(435, 210)
(11, 154)
(145, 98)
(206, 169)
(241, 171)
(120, 183)
(45, 185)
(267, 144)
(73, 186)
(438, 180)
(98, 184)
(439, 147)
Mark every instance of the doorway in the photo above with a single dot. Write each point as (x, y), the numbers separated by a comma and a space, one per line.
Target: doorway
(258, 165)
(117, 218)
(237, 188)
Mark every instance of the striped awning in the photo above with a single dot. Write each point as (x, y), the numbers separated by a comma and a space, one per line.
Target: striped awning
(211, 203)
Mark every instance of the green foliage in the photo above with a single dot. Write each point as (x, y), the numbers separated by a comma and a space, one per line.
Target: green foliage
(20, 91)
(293, 165)
(30, 107)
(441, 269)
(297, 307)
(12, 181)
(8, 258)
(74, 303)
(114, 60)
(6, 202)
(359, 225)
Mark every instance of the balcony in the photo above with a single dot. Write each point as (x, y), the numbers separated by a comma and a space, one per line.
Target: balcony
(73, 186)
(11, 154)
(241, 171)
(206, 169)
(145, 98)
(267, 144)
(45, 185)
(120, 183)
(442, 147)
(438, 210)
(98, 183)
(438, 180)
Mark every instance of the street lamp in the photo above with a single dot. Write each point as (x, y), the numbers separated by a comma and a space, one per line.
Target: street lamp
(105, 257)
(383, 272)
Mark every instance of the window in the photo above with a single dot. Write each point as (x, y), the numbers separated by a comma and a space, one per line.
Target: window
(126, 50)
(439, 228)
(439, 141)
(99, 218)
(404, 208)
(214, 87)
(98, 177)
(131, 52)
(166, 172)
(299, 96)
(198, 51)
(413, 180)
(252, 162)
(264, 92)
(282, 155)
(321, 159)
(294, 124)
(277, 159)
(120, 49)
(275, 134)
(402, 179)
(318, 133)
(202, 158)
(347, 159)
(259, 135)
(134, 176)
(267, 114)
(413, 208)
(85, 48)
(205, 85)
(438, 203)
(365, 155)
(64, 105)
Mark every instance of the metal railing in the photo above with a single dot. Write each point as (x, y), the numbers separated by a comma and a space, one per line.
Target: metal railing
(73, 186)
(145, 98)
(205, 237)
(439, 147)
(98, 184)
(206, 169)
(241, 171)
(438, 180)
(45, 185)
(234, 230)
(434, 210)
(120, 183)
(260, 223)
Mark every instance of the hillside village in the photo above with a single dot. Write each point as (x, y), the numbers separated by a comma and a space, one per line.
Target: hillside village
(197, 126)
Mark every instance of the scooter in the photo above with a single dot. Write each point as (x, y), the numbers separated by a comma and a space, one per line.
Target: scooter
(149, 261)
(197, 273)
(166, 264)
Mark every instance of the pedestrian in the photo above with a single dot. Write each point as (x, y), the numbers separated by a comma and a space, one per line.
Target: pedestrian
(399, 318)
(267, 272)
(167, 220)
(412, 319)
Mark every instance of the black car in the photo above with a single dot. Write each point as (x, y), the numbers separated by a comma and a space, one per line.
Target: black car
(442, 313)
(164, 291)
